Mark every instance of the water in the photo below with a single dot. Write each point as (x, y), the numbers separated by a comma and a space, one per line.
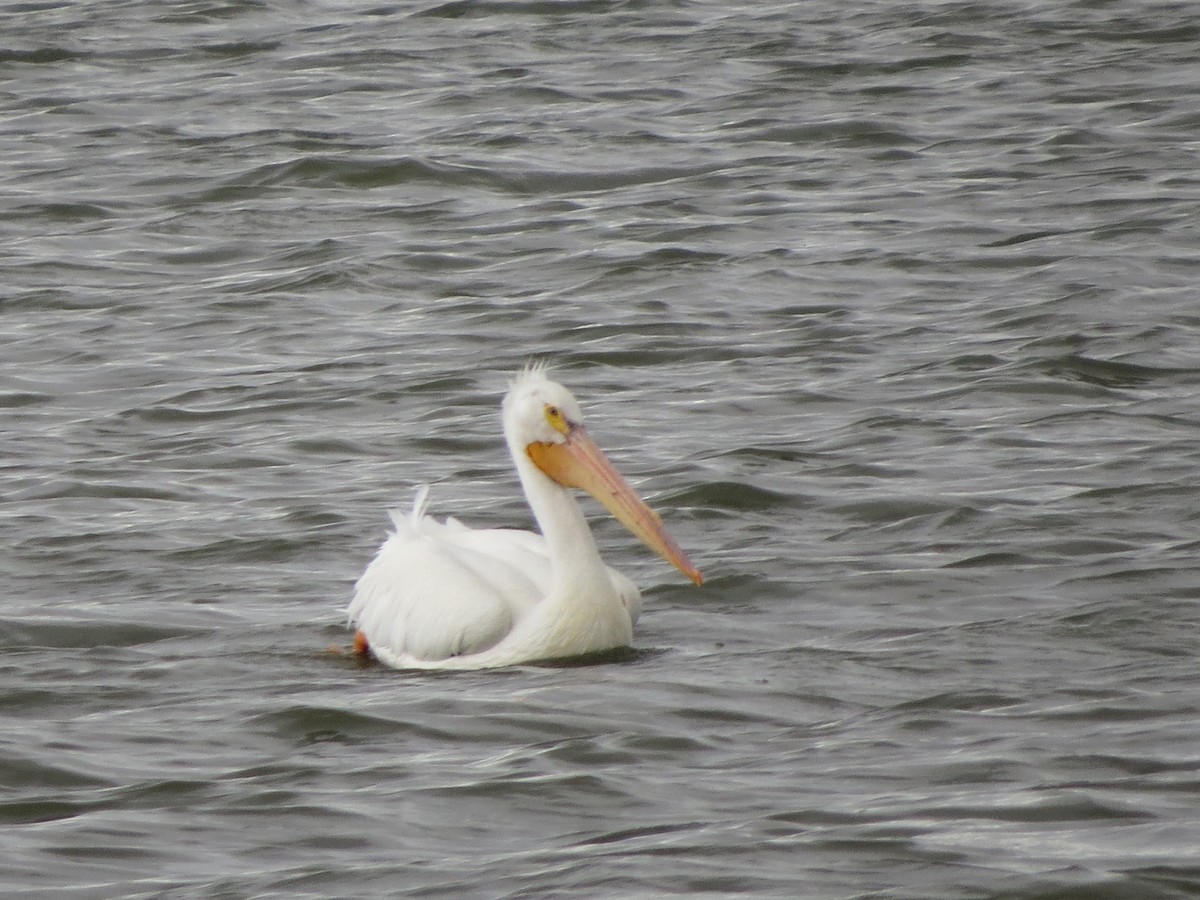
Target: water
(889, 308)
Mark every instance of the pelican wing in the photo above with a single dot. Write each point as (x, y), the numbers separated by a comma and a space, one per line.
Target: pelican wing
(438, 590)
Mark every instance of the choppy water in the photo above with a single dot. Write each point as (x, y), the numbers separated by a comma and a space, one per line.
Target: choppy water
(890, 307)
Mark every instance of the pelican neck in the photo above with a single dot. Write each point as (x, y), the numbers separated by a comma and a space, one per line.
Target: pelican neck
(574, 557)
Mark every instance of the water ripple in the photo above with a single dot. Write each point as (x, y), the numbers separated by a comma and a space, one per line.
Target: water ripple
(889, 309)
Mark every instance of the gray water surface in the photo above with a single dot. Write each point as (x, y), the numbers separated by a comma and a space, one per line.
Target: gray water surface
(889, 308)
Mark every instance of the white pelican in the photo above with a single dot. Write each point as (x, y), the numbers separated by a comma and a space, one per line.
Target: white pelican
(445, 596)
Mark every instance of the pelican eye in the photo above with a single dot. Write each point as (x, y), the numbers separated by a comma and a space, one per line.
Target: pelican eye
(557, 419)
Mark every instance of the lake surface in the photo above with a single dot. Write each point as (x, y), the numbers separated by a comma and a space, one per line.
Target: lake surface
(889, 308)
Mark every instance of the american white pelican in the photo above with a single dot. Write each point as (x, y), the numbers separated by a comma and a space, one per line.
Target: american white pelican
(445, 596)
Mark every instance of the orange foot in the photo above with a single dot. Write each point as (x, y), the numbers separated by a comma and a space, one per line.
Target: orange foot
(361, 647)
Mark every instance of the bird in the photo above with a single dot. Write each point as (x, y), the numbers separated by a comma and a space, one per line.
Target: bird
(441, 595)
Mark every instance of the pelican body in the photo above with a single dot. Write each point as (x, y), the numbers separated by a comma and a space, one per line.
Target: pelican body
(440, 595)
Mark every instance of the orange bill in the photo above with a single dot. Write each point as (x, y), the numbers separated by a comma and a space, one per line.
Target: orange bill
(579, 463)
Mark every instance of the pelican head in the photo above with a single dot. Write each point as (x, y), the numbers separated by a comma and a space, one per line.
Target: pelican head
(527, 408)
(544, 424)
